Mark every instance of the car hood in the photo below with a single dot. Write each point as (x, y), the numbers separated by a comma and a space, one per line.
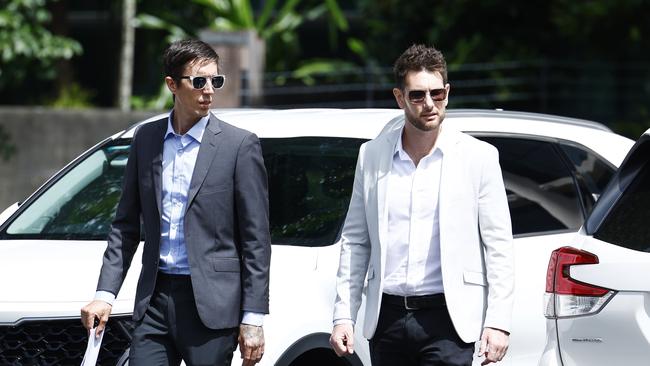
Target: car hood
(52, 271)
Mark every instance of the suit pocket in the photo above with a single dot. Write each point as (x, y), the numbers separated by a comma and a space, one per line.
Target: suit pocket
(475, 278)
(207, 190)
(226, 265)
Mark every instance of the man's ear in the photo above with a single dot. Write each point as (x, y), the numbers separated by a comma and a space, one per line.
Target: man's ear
(171, 84)
(399, 97)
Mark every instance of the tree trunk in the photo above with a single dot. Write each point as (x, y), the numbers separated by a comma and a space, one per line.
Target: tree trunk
(126, 56)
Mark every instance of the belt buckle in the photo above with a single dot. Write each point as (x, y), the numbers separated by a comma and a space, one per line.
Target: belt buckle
(406, 304)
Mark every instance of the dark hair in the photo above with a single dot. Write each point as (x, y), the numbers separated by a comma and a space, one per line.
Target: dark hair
(178, 54)
(419, 57)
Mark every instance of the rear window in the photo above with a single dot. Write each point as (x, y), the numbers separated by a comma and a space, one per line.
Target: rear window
(541, 191)
(627, 223)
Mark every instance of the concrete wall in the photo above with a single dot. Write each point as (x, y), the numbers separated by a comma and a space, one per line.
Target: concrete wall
(47, 139)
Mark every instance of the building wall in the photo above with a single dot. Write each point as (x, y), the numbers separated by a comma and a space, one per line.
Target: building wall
(45, 140)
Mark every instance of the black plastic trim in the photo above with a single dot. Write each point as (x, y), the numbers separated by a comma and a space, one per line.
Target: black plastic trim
(308, 343)
(635, 160)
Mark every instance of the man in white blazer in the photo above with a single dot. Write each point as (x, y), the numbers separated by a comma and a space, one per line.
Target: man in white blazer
(427, 237)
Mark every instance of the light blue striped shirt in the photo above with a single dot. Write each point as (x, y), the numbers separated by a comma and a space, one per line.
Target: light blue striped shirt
(179, 157)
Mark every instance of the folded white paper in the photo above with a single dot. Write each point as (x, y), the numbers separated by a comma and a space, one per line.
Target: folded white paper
(92, 350)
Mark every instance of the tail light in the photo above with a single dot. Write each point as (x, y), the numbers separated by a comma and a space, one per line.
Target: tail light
(567, 297)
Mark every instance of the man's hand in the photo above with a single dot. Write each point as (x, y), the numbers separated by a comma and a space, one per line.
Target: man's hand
(251, 344)
(494, 344)
(342, 339)
(97, 309)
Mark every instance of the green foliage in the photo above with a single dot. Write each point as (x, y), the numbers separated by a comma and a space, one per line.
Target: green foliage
(596, 52)
(73, 96)
(312, 68)
(26, 46)
(499, 30)
(277, 23)
(162, 100)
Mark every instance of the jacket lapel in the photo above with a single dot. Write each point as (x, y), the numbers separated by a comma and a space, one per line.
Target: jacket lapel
(156, 162)
(449, 177)
(207, 152)
(384, 166)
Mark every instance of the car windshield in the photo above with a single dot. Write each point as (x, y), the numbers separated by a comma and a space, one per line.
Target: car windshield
(310, 181)
(81, 204)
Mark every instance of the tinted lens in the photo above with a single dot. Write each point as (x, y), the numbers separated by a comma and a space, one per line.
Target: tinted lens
(217, 81)
(199, 82)
(438, 94)
(417, 96)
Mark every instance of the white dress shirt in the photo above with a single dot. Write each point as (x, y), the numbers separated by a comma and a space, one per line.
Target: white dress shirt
(413, 247)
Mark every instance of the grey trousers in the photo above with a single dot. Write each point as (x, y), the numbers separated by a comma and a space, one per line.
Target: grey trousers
(171, 330)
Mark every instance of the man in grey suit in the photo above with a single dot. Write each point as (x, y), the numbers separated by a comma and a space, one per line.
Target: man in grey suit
(200, 188)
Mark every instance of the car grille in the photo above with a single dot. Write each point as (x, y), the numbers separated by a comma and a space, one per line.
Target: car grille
(60, 342)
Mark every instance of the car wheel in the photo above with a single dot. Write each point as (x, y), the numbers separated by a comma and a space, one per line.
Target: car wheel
(323, 357)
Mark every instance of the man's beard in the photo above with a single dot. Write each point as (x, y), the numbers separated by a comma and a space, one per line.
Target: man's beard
(417, 123)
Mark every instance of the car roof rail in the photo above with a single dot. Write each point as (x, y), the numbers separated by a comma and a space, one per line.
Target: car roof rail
(542, 117)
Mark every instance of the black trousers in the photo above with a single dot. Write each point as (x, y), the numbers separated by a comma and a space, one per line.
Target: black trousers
(418, 337)
(171, 330)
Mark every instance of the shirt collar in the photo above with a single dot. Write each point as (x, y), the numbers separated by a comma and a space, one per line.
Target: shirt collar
(196, 132)
(442, 144)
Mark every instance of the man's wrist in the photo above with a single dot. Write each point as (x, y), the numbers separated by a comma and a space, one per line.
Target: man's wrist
(105, 296)
(343, 321)
(251, 318)
(500, 330)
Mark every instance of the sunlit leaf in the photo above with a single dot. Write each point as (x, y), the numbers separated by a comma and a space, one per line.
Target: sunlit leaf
(244, 13)
(337, 15)
(264, 16)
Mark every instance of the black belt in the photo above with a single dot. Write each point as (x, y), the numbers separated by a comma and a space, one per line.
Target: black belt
(415, 302)
(173, 276)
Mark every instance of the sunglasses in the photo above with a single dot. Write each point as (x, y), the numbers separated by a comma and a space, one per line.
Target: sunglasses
(199, 82)
(418, 96)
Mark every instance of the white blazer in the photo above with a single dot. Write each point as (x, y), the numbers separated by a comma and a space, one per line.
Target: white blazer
(475, 235)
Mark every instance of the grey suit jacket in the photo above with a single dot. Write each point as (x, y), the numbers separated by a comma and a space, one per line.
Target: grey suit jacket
(226, 223)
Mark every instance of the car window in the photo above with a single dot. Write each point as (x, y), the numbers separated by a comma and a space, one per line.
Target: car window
(541, 192)
(310, 183)
(81, 204)
(591, 171)
(626, 224)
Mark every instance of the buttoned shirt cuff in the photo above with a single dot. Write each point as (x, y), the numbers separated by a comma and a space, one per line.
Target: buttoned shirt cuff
(105, 296)
(250, 318)
(343, 321)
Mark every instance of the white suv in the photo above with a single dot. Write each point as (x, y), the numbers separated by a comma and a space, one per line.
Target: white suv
(598, 288)
(51, 245)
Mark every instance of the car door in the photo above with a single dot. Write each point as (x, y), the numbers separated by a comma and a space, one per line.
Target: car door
(551, 184)
(618, 234)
